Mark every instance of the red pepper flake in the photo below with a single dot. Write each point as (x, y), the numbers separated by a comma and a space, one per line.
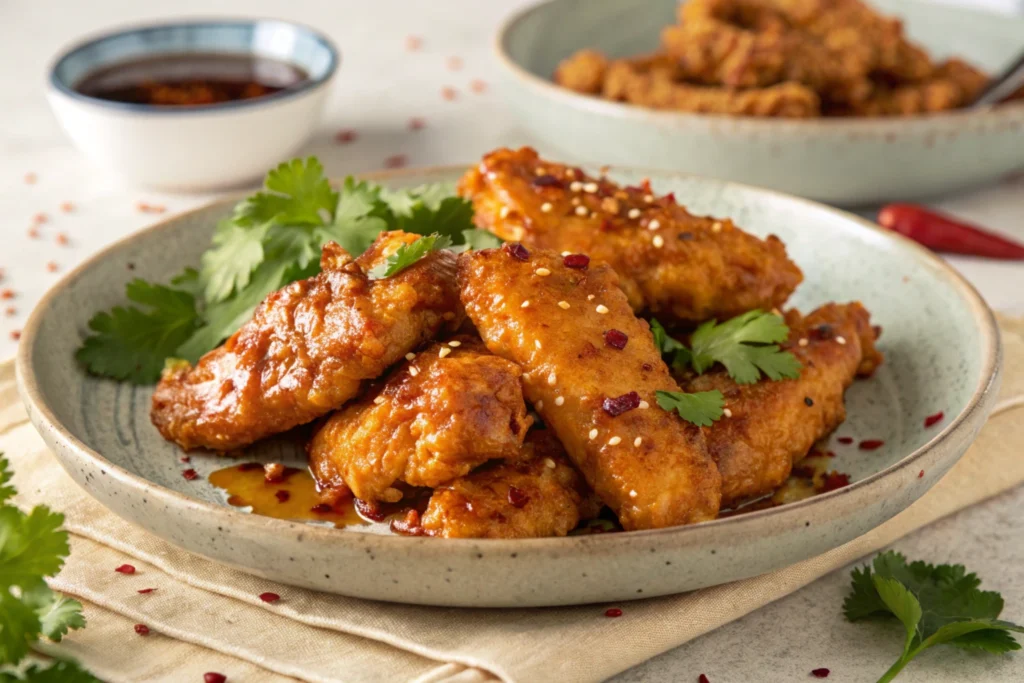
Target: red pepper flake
(920, 475)
(125, 569)
(214, 677)
(370, 510)
(478, 86)
(845, 440)
(454, 63)
(10, 310)
(15, 335)
(343, 137)
(416, 123)
(670, 198)
(186, 458)
(449, 93)
(820, 673)
(870, 444)
(7, 294)
(517, 497)
(621, 404)
(516, 251)
(40, 218)
(282, 496)
(190, 474)
(703, 679)
(142, 629)
(145, 207)
(616, 339)
(33, 233)
(413, 43)
(52, 266)
(62, 239)
(546, 180)
(322, 508)
(31, 178)
(269, 597)
(613, 612)
(67, 207)
(146, 591)
(834, 480)
(933, 420)
(576, 261)
(396, 161)
(249, 466)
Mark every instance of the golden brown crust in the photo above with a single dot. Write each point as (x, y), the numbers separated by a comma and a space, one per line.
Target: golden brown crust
(774, 424)
(308, 348)
(541, 495)
(648, 465)
(687, 269)
(435, 418)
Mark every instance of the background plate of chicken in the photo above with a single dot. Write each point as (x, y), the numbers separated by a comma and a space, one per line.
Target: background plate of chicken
(843, 101)
(598, 386)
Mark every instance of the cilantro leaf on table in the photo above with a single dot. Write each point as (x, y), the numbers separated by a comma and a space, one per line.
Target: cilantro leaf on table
(56, 612)
(746, 345)
(58, 672)
(937, 605)
(701, 408)
(408, 254)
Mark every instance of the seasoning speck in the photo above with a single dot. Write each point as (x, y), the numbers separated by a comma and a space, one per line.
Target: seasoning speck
(820, 673)
(634, 213)
(654, 224)
(549, 463)
(142, 629)
(658, 241)
(803, 342)
(870, 444)
(269, 597)
(545, 207)
(444, 351)
(592, 435)
(615, 441)
(616, 339)
(637, 441)
(644, 405)
(552, 378)
(543, 272)
(581, 211)
(125, 569)
(564, 305)
(590, 188)
(455, 344)
(601, 308)
(413, 370)
(560, 401)
(575, 261)
(575, 186)
(516, 251)
(410, 356)
(525, 304)
(503, 213)
(808, 401)
(716, 227)
(378, 400)
(190, 474)
(632, 494)
(613, 612)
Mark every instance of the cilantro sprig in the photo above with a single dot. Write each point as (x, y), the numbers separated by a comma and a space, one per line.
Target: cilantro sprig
(273, 237)
(937, 605)
(32, 547)
(701, 408)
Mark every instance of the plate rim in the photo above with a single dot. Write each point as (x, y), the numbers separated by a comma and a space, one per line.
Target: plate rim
(43, 416)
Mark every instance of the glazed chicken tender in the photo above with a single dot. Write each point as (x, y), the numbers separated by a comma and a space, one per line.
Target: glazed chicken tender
(308, 348)
(538, 496)
(669, 263)
(453, 406)
(773, 424)
(591, 371)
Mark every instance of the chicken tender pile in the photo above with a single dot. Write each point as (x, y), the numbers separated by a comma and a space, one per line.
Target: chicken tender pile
(779, 58)
(517, 392)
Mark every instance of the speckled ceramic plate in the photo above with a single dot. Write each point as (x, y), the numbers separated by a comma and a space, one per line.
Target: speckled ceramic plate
(841, 161)
(942, 354)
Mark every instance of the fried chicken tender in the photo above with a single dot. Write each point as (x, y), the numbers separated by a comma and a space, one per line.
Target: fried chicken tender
(687, 268)
(541, 495)
(774, 424)
(308, 348)
(953, 84)
(451, 408)
(565, 326)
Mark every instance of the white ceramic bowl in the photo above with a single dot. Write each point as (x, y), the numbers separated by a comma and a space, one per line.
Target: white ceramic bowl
(204, 147)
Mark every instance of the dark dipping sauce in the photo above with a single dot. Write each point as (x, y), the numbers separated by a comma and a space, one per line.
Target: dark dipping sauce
(190, 79)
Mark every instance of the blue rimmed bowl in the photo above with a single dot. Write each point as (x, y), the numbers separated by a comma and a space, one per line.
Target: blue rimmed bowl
(202, 147)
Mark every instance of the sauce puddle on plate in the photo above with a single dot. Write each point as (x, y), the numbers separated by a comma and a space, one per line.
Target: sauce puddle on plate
(293, 498)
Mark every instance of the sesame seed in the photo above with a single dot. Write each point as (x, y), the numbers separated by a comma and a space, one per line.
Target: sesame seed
(590, 187)
(504, 212)
(658, 241)
(378, 400)
(539, 405)
(549, 463)
(543, 272)
(590, 297)
(413, 371)
(602, 309)
(644, 405)
(615, 441)
(536, 342)
(540, 170)
(632, 494)
(637, 441)
(560, 400)
(570, 173)
(727, 412)
(803, 342)
(564, 305)
(410, 356)
(654, 224)
(581, 211)
(634, 213)
(455, 344)
(592, 435)
(525, 304)
(498, 299)
(492, 176)
(716, 227)
(649, 198)
(575, 186)
(552, 378)
(444, 351)
(566, 253)
(840, 340)
(545, 207)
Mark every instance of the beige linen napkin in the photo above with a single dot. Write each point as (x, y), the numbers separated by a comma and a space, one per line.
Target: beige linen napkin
(206, 617)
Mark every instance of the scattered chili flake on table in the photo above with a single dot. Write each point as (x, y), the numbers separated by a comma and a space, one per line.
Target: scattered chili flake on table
(454, 63)
(920, 475)
(820, 673)
(15, 335)
(269, 597)
(870, 444)
(477, 86)
(834, 480)
(416, 123)
(62, 239)
(40, 218)
(449, 93)
(933, 420)
(396, 161)
(190, 474)
(145, 207)
(10, 310)
(613, 612)
(52, 266)
(125, 569)
(31, 178)
(703, 679)
(413, 43)
(142, 629)
(214, 677)
(845, 440)
(33, 233)
(186, 458)
(7, 294)
(67, 207)
(343, 137)
(145, 591)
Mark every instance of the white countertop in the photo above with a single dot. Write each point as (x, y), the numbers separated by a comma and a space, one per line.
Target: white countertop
(381, 86)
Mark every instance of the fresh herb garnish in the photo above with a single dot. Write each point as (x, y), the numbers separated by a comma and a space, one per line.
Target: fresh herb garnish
(32, 547)
(701, 408)
(409, 254)
(937, 605)
(274, 237)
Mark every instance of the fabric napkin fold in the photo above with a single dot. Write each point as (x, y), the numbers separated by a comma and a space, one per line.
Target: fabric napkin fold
(207, 617)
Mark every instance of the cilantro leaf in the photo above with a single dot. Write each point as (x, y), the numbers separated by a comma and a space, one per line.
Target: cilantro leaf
(31, 546)
(675, 354)
(701, 408)
(746, 345)
(236, 252)
(58, 672)
(19, 625)
(451, 218)
(408, 254)
(6, 492)
(296, 192)
(472, 240)
(131, 343)
(56, 613)
(937, 605)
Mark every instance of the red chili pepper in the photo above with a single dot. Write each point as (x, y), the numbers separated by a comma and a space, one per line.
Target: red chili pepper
(944, 233)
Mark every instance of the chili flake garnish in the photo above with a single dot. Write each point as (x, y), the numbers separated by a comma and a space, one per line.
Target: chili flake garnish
(248, 466)
(370, 510)
(146, 591)
(808, 401)
(613, 612)
(870, 444)
(7, 294)
(517, 497)
(416, 123)
(703, 679)
(282, 496)
(125, 569)
(396, 161)
(214, 677)
(920, 475)
(269, 597)
(321, 508)
(932, 420)
(845, 440)
(15, 335)
(142, 629)
(477, 86)
(834, 480)
(576, 261)
(343, 137)
(820, 673)
(616, 339)
(413, 43)
(449, 93)
(516, 251)
(67, 207)
(52, 266)
(454, 63)
(190, 474)
(546, 180)
(621, 404)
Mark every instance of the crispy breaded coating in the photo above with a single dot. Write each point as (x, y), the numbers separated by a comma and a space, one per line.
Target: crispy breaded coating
(541, 495)
(583, 72)
(452, 407)
(564, 325)
(670, 263)
(774, 424)
(953, 84)
(308, 348)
